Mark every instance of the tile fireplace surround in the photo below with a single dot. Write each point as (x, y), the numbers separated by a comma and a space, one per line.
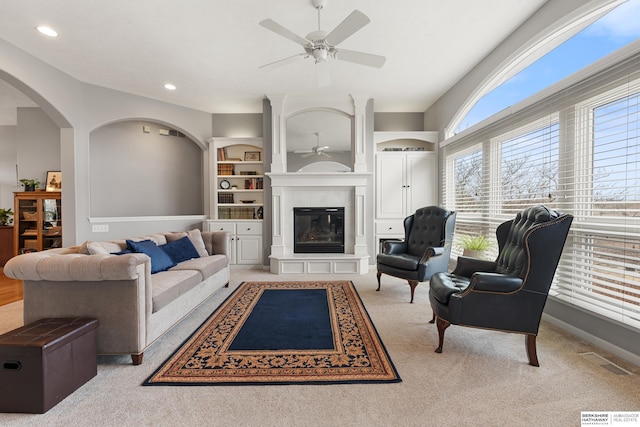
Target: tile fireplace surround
(319, 189)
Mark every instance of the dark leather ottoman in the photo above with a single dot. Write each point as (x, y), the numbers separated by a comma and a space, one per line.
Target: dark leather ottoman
(44, 362)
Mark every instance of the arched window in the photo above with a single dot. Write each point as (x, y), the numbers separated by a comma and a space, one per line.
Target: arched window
(609, 33)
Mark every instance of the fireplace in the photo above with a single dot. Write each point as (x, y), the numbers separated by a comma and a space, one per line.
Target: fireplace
(318, 230)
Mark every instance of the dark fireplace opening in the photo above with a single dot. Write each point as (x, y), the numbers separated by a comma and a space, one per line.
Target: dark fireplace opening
(318, 230)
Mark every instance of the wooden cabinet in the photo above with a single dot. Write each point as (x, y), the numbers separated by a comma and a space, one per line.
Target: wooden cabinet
(37, 221)
(246, 240)
(6, 244)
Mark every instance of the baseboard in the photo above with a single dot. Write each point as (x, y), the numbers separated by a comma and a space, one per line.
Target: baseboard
(597, 341)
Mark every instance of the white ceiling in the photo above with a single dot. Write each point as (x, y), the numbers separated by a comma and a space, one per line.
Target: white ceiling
(212, 49)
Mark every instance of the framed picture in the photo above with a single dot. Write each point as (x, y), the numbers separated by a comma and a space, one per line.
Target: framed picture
(54, 181)
(251, 156)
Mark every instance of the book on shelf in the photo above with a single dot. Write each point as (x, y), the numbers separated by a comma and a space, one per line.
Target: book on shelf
(225, 169)
(222, 154)
(254, 184)
(225, 197)
(236, 213)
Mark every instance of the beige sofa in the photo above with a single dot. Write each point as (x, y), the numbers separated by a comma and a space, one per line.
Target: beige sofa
(133, 306)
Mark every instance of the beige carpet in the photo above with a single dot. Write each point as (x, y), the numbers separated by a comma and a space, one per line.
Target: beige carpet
(481, 378)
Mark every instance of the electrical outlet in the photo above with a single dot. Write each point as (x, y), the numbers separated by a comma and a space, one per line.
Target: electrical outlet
(100, 228)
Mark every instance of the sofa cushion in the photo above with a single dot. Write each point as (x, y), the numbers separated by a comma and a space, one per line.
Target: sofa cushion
(160, 261)
(101, 248)
(167, 286)
(195, 236)
(207, 266)
(180, 250)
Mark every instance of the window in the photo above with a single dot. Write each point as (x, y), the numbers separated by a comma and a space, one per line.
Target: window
(609, 33)
(529, 169)
(578, 151)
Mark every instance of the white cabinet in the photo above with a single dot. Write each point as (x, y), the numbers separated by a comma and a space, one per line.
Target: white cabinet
(246, 240)
(406, 179)
(404, 183)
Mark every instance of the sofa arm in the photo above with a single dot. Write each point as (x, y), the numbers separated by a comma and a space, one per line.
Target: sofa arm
(53, 267)
(217, 242)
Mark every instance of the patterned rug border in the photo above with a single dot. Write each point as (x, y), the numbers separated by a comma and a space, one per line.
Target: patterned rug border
(376, 352)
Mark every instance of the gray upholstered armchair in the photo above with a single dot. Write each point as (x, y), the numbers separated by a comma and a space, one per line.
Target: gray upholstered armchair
(507, 294)
(425, 250)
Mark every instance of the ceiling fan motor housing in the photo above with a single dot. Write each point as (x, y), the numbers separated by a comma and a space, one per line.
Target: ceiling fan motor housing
(319, 4)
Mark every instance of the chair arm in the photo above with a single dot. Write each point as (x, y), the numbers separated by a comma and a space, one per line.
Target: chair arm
(466, 266)
(431, 252)
(391, 247)
(494, 282)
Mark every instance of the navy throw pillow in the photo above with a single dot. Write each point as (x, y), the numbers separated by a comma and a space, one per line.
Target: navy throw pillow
(122, 252)
(160, 261)
(180, 250)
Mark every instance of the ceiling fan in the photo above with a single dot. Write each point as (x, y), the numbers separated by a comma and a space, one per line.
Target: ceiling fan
(321, 45)
(315, 151)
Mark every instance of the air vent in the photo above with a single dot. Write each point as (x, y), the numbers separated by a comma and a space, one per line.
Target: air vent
(606, 364)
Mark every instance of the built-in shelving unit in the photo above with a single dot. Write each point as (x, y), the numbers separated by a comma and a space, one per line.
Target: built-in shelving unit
(238, 179)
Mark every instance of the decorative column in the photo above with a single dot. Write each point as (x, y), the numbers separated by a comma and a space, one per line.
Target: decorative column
(278, 134)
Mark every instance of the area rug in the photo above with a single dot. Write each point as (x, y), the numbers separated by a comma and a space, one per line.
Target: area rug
(282, 333)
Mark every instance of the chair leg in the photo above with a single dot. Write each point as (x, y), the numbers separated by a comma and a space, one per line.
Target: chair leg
(531, 350)
(379, 274)
(413, 284)
(433, 319)
(442, 325)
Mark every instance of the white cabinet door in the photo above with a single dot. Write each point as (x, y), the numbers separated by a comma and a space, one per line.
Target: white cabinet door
(390, 179)
(249, 249)
(421, 182)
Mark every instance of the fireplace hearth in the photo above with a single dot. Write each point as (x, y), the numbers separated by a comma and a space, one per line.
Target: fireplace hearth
(318, 230)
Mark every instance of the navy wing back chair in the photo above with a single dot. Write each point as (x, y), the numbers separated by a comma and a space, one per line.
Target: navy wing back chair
(507, 294)
(425, 250)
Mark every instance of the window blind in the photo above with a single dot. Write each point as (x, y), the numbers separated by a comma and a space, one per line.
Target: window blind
(576, 148)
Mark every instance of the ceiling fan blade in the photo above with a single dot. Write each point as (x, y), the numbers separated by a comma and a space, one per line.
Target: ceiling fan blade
(362, 58)
(346, 28)
(272, 25)
(281, 62)
(308, 154)
(323, 74)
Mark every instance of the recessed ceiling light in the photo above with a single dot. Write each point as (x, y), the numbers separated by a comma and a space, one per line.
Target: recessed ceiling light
(169, 86)
(47, 31)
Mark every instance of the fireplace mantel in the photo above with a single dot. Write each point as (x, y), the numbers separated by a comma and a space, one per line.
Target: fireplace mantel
(319, 189)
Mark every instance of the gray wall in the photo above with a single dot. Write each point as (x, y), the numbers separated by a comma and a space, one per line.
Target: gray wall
(395, 122)
(135, 173)
(237, 125)
(38, 144)
(8, 160)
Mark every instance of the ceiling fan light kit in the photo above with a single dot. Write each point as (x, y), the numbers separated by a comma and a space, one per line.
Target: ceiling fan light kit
(321, 45)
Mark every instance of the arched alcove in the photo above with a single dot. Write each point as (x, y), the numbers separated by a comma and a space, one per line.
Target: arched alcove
(319, 134)
(144, 168)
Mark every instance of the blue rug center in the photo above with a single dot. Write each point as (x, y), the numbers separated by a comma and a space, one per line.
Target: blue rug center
(296, 319)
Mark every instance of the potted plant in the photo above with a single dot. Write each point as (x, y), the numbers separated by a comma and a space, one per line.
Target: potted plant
(30, 184)
(473, 246)
(5, 216)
